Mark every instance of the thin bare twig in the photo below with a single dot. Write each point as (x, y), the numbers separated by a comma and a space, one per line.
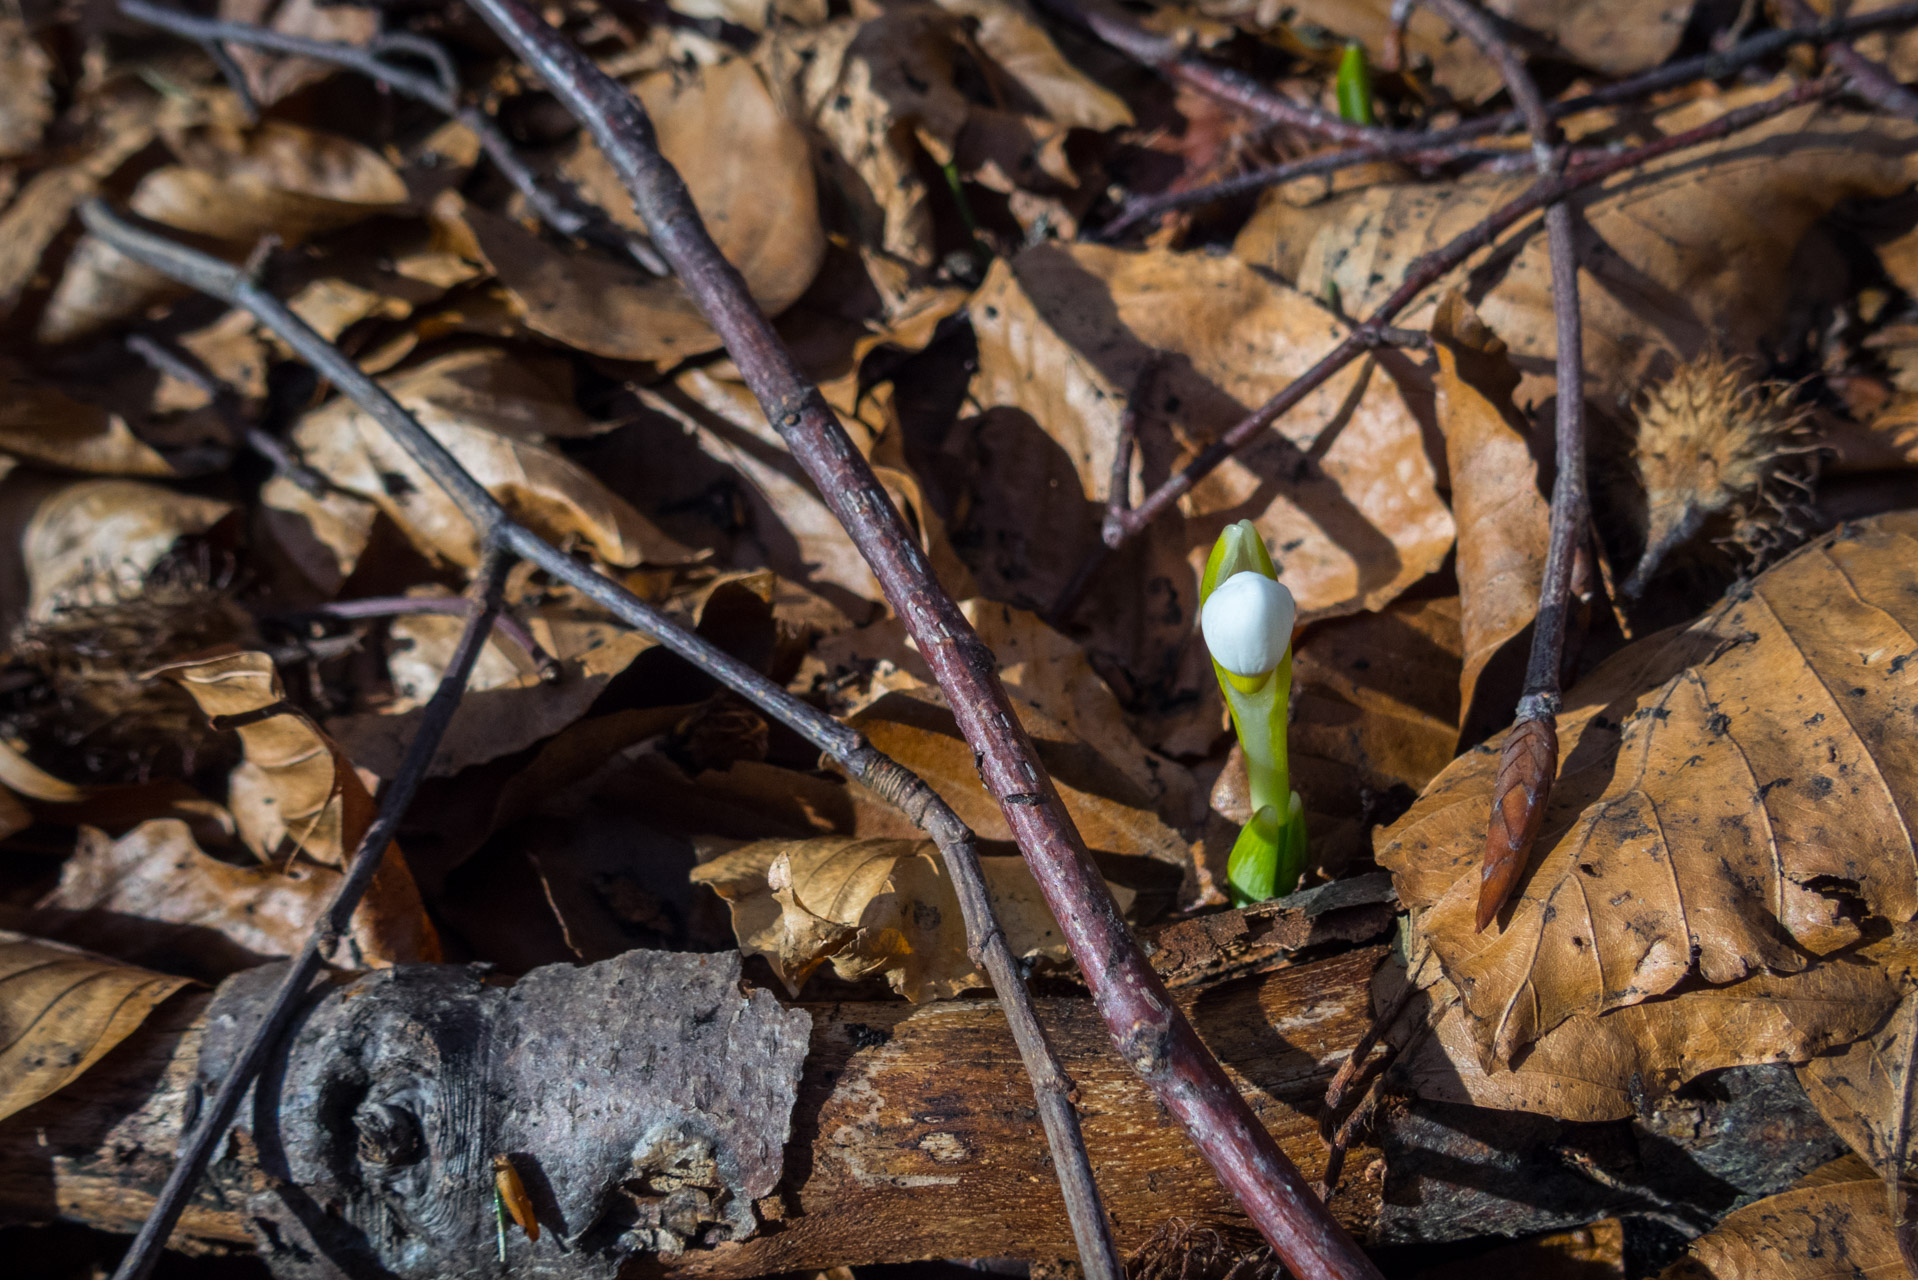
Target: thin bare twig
(1427, 271)
(1868, 80)
(441, 91)
(1152, 1033)
(880, 773)
(1464, 143)
(190, 1162)
(166, 359)
(509, 627)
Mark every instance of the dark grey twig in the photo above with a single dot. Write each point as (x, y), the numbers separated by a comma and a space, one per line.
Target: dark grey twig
(441, 91)
(214, 1118)
(880, 773)
(175, 364)
(398, 606)
(1868, 80)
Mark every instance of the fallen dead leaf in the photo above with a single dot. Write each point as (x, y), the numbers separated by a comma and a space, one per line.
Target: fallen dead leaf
(272, 76)
(93, 542)
(61, 1010)
(487, 418)
(1455, 63)
(26, 89)
(1831, 1224)
(1732, 799)
(1341, 489)
(40, 423)
(233, 186)
(1608, 1067)
(1503, 518)
(155, 897)
(1113, 814)
(874, 907)
(1697, 247)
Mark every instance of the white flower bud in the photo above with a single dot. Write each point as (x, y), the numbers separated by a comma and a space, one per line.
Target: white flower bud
(1247, 623)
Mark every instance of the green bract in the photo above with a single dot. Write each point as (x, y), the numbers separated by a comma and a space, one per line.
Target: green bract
(1247, 626)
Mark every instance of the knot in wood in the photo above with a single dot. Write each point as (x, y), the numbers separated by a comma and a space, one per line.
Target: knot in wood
(389, 1135)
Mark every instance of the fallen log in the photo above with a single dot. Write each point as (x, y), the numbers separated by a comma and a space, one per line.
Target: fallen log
(912, 1133)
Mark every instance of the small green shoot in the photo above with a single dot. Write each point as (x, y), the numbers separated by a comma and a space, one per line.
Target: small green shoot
(1246, 615)
(1355, 86)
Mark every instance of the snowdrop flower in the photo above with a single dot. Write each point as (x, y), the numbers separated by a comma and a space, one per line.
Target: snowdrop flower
(1246, 616)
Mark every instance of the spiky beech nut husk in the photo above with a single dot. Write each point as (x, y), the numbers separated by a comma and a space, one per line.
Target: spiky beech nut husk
(1519, 792)
(1712, 458)
(1247, 623)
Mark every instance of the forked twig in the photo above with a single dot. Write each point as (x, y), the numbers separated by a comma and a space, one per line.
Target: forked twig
(1153, 1035)
(441, 91)
(1427, 271)
(1868, 80)
(505, 539)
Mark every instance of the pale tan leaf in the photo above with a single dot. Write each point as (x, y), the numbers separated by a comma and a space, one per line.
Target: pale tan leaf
(155, 897)
(1341, 488)
(92, 542)
(874, 907)
(273, 76)
(1503, 518)
(26, 89)
(39, 423)
(489, 421)
(1698, 245)
(1018, 46)
(1607, 1067)
(1831, 1226)
(232, 187)
(61, 1010)
(1733, 797)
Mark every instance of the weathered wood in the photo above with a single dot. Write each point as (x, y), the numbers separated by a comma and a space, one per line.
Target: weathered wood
(914, 1135)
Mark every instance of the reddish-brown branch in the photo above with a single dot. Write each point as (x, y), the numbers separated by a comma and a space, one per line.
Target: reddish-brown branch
(1150, 1031)
(1868, 80)
(1427, 271)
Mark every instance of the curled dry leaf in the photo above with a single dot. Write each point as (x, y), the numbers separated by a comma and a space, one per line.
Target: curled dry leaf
(61, 1010)
(1832, 1224)
(1503, 519)
(1341, 488)
(271, 76)
(874, 907)
(1035, 77)
(154, 896)
(1698, 245)
(232, 187)
(93, 542)
(487, 417)
(1612, 1065)
(1732, 797)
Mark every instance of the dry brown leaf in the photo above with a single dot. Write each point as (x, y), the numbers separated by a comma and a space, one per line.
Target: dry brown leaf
(1456, 64)
(1832, 1225)
(1868, 1093)
(507, 707)
(1617, 38)
(1341, 489)
(874, 907)
(61, 1010)
(489, 420)
(93, 542)
(1503, 519)
(797, 535)
(1608, 1067)
(26, 89)
(1697, 246)
(46, 204)
(233, 186)
(39, 423)
(272, 76)
(153, 896)
(1733, 797)
(1897, 51)
(1595, 1251)
(1004, 30)
(872, 90)
(1112, 813)
(294, 785)
(1038, 666)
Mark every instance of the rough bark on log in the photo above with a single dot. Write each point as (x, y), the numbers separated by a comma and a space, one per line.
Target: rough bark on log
(913, 1136)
